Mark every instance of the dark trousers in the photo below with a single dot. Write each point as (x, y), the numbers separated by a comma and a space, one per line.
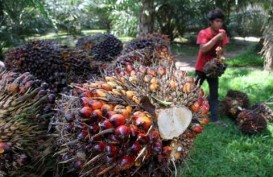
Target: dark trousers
(213, 92)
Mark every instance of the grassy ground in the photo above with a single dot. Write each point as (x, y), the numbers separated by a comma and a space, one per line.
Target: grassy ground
(225, 152)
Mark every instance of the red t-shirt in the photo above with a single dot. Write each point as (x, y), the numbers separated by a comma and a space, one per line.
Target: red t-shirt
(203, 37)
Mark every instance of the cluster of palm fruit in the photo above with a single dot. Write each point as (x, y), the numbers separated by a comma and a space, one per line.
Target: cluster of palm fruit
(54, 64)
(215, 68)
(151, 41)
(122, 125)
(153, 49)
(250, 120)
(101, 47)
(25, 109)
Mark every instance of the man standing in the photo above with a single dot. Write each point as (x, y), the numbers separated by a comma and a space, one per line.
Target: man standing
(211, 40)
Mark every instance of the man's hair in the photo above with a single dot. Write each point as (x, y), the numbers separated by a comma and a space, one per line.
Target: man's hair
(216, 13)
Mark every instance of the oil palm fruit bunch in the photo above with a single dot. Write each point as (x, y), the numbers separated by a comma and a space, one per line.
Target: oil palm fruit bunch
(250, 122)
(215, 68)
(54, 64)
(235, 101)
(151, 41)
(263, 110)
(25, 108)
(118, 127)
(102, 47)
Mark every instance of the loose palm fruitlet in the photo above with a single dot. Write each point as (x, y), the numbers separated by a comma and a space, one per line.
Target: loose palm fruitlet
(263, 110)
(215, 68)
(235, 101)
(57, 65)
(250, 122)
(102, 47)
(118, 127)
(25, 108)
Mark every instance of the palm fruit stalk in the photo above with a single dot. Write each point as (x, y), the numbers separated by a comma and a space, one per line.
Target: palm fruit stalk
(250, 122)
(25, 108)
(263, 110)
(129, 125)
(101, 47)
(57, 65)
(235, 101)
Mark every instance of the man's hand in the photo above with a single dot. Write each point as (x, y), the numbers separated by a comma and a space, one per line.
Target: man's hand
(219, 51)
(220, 36)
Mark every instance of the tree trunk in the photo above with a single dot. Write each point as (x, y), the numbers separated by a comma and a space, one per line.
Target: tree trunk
(146, 24)
(267, 49)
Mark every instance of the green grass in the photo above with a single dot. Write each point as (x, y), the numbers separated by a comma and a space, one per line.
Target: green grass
(224, 152)
(247, 59)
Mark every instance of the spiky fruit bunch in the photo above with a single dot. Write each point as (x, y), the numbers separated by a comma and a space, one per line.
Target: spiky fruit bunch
(214, 68)
(110, 127)
(25, 108)
(250, 122)
(235, 101)
(54, 64)
(263, 110)
(151, 41)
(102, 47)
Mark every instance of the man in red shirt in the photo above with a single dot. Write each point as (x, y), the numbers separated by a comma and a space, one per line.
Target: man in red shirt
(210, 40)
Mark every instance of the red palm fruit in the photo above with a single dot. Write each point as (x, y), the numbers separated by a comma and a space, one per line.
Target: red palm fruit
(99, 93)
(95, 104)
(204, 109)
(85, 112)
(117, 120)
(111, 150)
(99, 147)
(87, 94)
(129, 68)
(154, 136)
(135, 148)
(106, 124)
(123, 112)
(143, 122)
(110, 114)
(93, 129)
(161, 70)
(195, 107)
(69, 117)
(126, 162)
(142, 69)
(204, 121)
(142, 139)
(84, 101)
(197, 128)
(134, 130)
(129, 109)
(122, 132)
(3, 147)
(82, 135)
(130, 94)
(200, 101)
(157, 147)
(151, 71)
(106, 108)
(202, 93)
(147, 78)
(106, 87)
(166, 151)
(188, 87)
(96, 115)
